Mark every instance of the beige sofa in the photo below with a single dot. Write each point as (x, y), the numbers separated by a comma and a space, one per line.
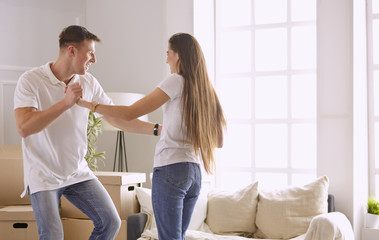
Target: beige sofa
(298, 213)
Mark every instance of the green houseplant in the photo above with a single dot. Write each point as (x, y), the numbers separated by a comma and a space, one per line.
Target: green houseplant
(372, 206)
(372, 216)
(93, 130)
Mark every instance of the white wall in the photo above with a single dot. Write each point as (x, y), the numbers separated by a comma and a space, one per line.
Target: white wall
(131, 57)
(29, 37)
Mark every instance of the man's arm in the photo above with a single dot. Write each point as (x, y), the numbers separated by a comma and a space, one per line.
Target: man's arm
(30, 121)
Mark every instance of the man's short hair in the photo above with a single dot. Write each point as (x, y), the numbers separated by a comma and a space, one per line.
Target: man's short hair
(75, 34)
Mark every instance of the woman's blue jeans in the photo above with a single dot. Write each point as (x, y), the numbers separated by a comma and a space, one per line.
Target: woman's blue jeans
(90, 197)
(175, 190)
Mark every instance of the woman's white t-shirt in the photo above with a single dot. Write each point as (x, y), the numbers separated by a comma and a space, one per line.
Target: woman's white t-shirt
(173, 146)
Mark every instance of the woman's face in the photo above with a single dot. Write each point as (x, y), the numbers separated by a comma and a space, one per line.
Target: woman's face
(172, 60)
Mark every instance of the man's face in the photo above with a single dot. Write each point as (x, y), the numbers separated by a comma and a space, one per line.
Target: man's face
(84, 57)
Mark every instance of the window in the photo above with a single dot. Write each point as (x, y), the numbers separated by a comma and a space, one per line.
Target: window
(373, 93)
(265, 75)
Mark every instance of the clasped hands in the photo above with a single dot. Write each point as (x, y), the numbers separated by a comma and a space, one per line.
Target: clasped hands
(74, 94)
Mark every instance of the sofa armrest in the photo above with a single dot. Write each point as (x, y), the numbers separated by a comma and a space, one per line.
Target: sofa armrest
(330, 226)
(331, 206)
(135, 225)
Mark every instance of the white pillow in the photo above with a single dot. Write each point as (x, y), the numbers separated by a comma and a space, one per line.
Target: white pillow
(287, 213)
(198, 215)
(144, 199)
(200, 211)
(233, 212)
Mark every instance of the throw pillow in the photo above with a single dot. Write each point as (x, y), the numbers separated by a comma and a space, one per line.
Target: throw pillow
(287, 213)
(144, 199)
(233, 213)
(198, 215)
(200, 212)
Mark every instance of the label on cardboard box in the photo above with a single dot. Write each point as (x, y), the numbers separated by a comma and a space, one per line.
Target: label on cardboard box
(120, 178)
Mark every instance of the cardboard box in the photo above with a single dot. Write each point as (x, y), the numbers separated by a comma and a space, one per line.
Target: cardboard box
(18, 223)
(120, 186)
(11, 176)
(81, 229)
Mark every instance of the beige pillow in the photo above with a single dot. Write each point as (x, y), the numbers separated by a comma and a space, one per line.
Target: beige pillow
(144, 199)
(233, 212)
(287, 213)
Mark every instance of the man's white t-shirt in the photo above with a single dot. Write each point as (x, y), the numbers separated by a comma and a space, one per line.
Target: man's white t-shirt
(173, 146)
(54, 157)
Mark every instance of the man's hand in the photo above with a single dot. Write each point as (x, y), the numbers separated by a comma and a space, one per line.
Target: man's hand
(73, 93)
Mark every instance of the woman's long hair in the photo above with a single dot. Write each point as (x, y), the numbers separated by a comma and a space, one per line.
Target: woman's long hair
(202, 112)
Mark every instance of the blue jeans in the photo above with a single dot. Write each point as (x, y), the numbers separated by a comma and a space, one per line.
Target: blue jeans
(89, 196)
(175, 190)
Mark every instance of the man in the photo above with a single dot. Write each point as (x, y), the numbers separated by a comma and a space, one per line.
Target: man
(54, 137)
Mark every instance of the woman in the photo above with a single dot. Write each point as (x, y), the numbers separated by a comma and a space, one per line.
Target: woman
(193, 123)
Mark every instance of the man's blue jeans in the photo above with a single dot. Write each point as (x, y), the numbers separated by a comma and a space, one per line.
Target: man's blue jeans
(175, 190)
(90, 197)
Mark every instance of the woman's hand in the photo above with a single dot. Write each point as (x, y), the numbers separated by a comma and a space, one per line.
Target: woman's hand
(80, 102)
(83, 103)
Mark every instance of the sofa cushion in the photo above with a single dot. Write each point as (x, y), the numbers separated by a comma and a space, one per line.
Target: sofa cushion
(233, 212)
(287, 213)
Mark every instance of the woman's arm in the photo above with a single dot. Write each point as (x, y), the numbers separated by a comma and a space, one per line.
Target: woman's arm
(134, 126)
(125, 117)
(143, 106)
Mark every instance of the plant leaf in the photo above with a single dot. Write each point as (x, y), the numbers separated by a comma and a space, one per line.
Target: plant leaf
(93, 131)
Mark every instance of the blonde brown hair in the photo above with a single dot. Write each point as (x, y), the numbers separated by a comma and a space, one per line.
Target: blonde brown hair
(202, 112)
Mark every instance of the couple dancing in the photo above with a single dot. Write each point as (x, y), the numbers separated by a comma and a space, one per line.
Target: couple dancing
(51, 105)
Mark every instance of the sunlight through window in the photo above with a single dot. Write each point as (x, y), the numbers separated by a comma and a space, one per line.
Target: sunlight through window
(265, 76)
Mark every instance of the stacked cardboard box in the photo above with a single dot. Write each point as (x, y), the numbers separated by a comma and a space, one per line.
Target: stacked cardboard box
(17, 220)
(11, 176)
(121, 187)
(81, 229)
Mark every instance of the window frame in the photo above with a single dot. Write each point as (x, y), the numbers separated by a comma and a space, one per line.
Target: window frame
(373, 171)
(288, 72)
